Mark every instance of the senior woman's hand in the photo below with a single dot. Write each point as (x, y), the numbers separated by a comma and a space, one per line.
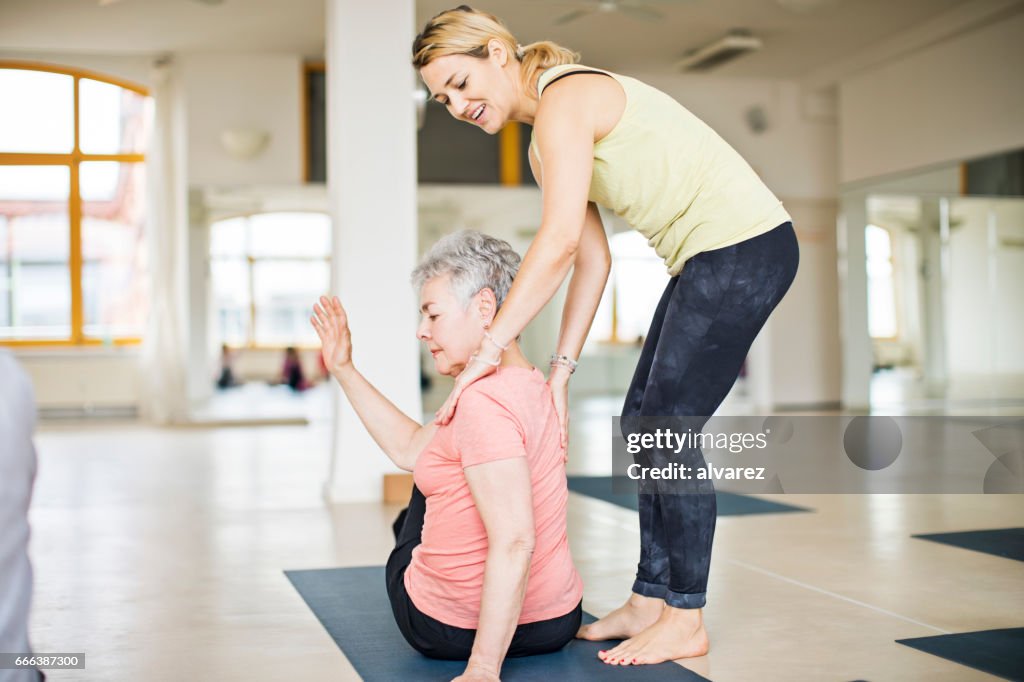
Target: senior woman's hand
(331, 325)
(477, 674)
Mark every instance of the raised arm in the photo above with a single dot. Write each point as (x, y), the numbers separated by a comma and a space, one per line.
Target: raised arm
(399, 436)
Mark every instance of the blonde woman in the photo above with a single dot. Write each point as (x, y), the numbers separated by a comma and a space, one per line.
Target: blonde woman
(600, 138)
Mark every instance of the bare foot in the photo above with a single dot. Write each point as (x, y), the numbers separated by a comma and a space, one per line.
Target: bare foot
(633, 617)
(679, 633)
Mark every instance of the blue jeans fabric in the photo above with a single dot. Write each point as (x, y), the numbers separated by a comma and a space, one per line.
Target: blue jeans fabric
(703, 328)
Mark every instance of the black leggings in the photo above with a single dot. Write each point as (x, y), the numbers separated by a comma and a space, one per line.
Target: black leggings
(701, 333)
(438, 640)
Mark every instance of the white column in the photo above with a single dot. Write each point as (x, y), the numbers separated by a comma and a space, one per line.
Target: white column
(371, 169)
(201, 369)
(853, 302)
(165, 360)
(933, 308)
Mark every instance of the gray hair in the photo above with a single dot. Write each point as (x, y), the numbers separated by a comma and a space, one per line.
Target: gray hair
(474, 261)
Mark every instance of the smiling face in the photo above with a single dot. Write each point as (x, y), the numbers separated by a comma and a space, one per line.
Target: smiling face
(478, 91)
(452, 332)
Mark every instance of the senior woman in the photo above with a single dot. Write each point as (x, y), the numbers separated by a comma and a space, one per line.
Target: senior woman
(481, 569)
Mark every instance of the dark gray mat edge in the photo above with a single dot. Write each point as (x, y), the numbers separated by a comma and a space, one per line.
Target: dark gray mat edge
(729, 504)
(352, 605)
(997, 652)
(1007, 543)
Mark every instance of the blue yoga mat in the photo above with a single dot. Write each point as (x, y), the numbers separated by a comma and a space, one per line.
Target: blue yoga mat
(729, 504)
(997, 652)
(1005, 542)
(353, 607)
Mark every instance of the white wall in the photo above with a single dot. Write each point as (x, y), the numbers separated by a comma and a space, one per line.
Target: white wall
(250, 91)
(956, 100)
(803, 359)
(83, 378)
(1008, 265)
(942, 180)
(984, 322)
(796, 155)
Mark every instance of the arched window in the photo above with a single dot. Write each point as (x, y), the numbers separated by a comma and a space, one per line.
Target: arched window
(266, 270)
(72, 206)
(881, 283)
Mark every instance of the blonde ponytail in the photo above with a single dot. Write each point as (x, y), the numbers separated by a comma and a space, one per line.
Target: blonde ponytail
(467, 31)
(537, 57)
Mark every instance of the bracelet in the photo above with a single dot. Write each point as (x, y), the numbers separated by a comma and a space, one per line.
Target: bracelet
(487, 335)
(564, 361)
(476, 358)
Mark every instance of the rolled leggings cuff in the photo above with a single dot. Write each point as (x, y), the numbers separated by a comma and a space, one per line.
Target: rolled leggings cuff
(650, 589)
(682, 600)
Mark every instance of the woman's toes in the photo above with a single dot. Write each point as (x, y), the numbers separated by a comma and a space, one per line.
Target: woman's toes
(617, 656)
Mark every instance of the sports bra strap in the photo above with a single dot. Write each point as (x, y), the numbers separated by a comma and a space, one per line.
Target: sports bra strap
(572, 72)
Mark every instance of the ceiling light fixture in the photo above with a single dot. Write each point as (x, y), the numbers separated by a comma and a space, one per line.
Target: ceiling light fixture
(718, 52)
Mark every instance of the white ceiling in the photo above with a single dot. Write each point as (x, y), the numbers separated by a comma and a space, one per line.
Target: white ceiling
(161, 26)
(795, 42)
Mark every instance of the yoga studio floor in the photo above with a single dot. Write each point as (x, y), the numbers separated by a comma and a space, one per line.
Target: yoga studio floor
(161, 553)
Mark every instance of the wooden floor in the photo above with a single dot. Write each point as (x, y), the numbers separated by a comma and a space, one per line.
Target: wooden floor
(160, 554)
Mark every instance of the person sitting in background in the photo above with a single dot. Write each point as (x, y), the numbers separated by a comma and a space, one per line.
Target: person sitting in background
(17, 474)
(481, 569)
(227, 374)
(291, 371)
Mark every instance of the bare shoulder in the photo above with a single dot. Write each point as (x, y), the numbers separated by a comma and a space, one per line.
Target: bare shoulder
(582, 98)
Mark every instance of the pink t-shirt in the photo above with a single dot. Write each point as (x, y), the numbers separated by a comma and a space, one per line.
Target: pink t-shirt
(507, 414)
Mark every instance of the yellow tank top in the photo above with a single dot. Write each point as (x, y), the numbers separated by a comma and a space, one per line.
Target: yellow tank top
(672, 178)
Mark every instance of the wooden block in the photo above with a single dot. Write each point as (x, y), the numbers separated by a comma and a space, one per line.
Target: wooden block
(397, 488)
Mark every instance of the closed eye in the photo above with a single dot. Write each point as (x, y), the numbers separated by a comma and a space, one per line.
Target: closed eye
(441, 99)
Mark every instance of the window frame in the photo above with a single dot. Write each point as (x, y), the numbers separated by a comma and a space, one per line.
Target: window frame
(250, 263)
(72, 161)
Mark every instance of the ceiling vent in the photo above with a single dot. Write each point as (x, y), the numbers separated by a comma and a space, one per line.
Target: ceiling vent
(719, 52)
